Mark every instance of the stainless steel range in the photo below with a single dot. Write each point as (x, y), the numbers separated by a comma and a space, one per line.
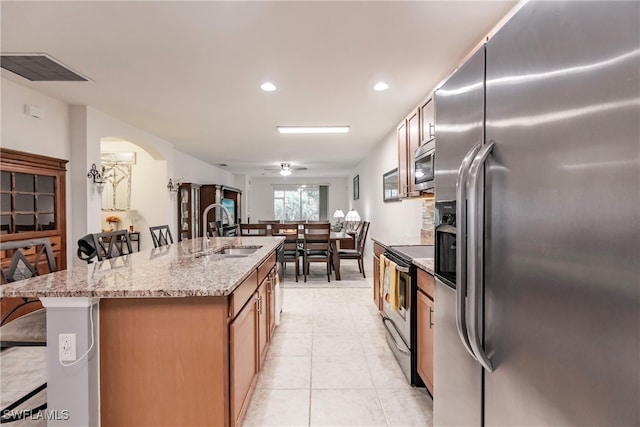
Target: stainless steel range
(400, 324)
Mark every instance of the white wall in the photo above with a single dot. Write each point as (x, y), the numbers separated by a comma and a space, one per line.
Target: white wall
(261, 194)
(74, 133)
(148, 191)
(387, 219)
(189, 169)
(48, 136)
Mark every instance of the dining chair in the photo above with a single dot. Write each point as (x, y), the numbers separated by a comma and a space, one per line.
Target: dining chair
(112, 244)
(291, 251)
(313, 221)
(161, 235)
(358, 252)
(316, 247)
(29, 258)
(253, 229)
(269, 223)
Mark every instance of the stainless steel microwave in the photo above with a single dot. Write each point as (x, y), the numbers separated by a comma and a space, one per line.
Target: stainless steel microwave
(424, 166)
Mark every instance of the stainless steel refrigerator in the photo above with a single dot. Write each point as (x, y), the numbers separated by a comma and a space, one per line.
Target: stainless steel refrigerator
(537, 182)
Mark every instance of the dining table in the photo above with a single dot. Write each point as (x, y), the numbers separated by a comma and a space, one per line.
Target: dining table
(336, 239)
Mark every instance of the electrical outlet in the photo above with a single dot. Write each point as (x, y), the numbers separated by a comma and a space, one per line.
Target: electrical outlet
(67, 347)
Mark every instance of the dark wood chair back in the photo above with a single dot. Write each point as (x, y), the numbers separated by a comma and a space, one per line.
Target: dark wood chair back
(312, 221)
(112, 244)
(253, 229)
(361, 237)
(316, 246)
(29, 258)
(290, 250)
(161, 235)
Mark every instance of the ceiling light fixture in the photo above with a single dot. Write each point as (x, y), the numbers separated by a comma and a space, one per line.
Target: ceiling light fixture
(268, 87)
(380, 86)
(313, 129)
(286, 169)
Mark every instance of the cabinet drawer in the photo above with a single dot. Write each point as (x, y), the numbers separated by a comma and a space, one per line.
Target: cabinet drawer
(241, 295)
(266, 266)
(378, 249)
(426, 283)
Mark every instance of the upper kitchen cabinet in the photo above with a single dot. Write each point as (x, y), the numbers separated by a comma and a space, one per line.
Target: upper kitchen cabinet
(417, 129)
(427, 121)
(408, 142)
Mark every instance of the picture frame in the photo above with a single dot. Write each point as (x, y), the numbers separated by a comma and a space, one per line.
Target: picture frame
(390, 190)
(356, 187)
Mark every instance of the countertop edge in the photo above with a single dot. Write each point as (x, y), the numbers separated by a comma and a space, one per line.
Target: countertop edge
(57, 285)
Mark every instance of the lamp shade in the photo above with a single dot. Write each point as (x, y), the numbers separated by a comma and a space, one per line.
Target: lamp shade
(352, 220)
(352, 216)
(338, 214)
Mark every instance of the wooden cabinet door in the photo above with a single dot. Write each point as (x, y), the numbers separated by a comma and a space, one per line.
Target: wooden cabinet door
(271, 298)
(413, 142)
(425, 340)
(427, 121)
(243, 349)
(376, 282)
(402, 159)
(263, 318)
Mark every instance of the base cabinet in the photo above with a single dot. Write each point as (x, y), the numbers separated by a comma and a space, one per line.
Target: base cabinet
(243, 358)
(378, 250)
(206, 350)
(263, 318)
(425, 326)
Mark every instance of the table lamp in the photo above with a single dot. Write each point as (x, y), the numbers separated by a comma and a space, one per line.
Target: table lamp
(338, 214)
(352, 220)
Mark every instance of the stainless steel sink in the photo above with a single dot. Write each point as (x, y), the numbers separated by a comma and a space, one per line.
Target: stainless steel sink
(244, 251)
(224, 253)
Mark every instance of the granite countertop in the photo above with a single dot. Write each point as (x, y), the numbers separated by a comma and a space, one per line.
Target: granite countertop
(424, 263)
(398, 240)
(176, 270)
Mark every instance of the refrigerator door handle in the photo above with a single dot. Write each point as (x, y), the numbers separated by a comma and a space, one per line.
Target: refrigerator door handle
(461, 247)
(475, 254)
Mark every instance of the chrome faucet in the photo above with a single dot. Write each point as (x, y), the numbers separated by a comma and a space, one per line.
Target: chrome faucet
(206, 221)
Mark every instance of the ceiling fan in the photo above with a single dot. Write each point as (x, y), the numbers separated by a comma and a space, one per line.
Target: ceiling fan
(286, 169)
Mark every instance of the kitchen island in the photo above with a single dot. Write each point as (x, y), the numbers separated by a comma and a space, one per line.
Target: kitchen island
(176, 335)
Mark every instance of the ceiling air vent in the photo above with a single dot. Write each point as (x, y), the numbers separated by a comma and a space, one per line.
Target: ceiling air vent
(39, 68)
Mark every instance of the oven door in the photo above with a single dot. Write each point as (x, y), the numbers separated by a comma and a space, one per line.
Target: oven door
(397, 323)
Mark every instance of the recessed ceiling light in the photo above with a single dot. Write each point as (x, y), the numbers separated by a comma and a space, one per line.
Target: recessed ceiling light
(380, 86)
(268, 87)
(313, 129)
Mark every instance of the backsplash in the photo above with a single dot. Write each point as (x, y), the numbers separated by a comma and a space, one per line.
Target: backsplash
(428, 221)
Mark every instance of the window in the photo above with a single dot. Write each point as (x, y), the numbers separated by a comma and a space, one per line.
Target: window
(296, 203)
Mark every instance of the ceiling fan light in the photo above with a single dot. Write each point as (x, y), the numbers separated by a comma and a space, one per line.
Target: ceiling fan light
(285, 172)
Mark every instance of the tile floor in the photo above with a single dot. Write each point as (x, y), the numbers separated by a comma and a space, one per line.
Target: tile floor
(22, 369)
(329, 365)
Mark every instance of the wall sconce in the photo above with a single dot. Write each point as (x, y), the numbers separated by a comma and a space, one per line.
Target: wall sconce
(352, 220)
(95, 176)
(173, 186)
